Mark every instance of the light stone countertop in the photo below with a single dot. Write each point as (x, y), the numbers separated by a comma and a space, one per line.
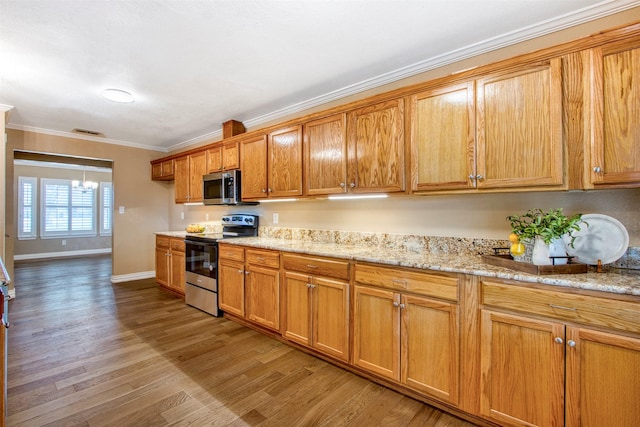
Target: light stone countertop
(617, 281)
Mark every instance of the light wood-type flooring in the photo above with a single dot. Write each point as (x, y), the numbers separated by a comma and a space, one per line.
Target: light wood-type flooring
(85, 352)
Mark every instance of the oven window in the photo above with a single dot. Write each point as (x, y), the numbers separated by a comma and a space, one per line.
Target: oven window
(202, 259)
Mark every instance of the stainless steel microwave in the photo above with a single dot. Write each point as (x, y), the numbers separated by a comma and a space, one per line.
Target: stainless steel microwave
(222, 188)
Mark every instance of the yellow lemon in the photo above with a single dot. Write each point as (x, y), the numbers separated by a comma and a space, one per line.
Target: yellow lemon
(513, 238)
(517, 249)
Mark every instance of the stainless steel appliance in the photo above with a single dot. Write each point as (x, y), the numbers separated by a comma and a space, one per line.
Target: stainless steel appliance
(201, 287)
(223, 188)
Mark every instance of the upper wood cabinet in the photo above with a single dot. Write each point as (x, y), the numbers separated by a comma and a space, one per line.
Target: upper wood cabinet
(162, 170)
(615, 136)
(443, 138)
(214, 159)
(325, 155)
(272, 165)
(189, 171)
(376, 148)
(519, 128)
(223, 157)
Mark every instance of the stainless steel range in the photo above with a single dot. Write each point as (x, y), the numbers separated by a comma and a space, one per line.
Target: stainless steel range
(201, 288)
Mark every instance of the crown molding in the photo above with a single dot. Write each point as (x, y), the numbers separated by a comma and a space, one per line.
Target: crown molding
(86, 137)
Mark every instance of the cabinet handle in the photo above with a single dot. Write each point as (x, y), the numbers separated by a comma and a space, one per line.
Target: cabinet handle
(472, 177)
(396, 304)
(479, 177)
(240, 271)
(571, 343)
(342, 185)
(311, 266)
(246, 273)
(270, 190)
(260, 258)
(399, 282)
(352, 185)
(402, 306)
(597, 169)
(558, 340)
(264, 190)
(561, 307)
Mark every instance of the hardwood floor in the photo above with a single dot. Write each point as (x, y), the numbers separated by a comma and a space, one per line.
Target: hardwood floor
(85, 352)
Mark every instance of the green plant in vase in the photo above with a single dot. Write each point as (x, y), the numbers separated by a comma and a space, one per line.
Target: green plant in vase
(546, 231)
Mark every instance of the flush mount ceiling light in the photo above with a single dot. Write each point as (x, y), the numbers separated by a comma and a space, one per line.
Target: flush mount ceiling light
(118, 95)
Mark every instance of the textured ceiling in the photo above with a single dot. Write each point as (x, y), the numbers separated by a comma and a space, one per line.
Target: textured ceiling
(194, 64)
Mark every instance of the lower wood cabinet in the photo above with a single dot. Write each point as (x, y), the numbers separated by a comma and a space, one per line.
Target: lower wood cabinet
(170, 263)
(539, 372)
(409, 338)
(316, 307)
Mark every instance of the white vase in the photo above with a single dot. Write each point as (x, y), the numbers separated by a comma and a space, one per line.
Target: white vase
(542, 252)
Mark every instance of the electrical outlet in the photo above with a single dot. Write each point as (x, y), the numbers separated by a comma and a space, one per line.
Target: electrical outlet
(275, 218)
(64, 243)
(206, 217)
(181, 215)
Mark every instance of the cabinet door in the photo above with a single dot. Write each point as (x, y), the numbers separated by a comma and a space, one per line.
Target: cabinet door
(331, 317)
(522, 370)
(603, 379)
(231, 287)
(284, 167)
(297, 307)
(162, 266)
(376, 331)
(443, 138)
(325, 155)
(197, 169)
(376, 147)
(230, 156)
(214, 159)
(615, 150)
(519, 128)
(181, 168)
(263, 296)
(430, 359)
(178, 263)
(253, 158)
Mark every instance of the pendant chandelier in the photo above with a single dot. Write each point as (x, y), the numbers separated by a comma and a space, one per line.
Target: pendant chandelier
(84, 185)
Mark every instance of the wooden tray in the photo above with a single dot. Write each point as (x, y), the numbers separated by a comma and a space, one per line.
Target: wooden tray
(508, 262)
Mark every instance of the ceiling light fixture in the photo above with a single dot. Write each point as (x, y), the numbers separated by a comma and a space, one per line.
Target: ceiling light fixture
(84, 185)
(118, 95)
(362, 196)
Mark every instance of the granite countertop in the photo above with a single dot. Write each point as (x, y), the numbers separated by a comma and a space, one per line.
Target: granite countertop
(618, 281)
(181, 234)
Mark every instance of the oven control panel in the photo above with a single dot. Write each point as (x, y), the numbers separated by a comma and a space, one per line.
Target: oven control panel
(240, 219)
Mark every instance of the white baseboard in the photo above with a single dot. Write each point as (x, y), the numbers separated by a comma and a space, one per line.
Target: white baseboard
(133, 276)
(62, 254)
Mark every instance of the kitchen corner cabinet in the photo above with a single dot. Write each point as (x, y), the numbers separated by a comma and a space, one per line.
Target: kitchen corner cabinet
(189, 171)
(170, 263)
(615, 95)
(404, 331)
(519, 128)
(272, 164)
(162, 170)
(553, 367)
(223, 157)
(316, 303)
(443, 138)
(249, 284)
(376, 148)
(325, 155)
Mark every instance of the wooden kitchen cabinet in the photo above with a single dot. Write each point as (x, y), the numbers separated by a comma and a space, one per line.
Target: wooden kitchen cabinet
(552, 367)
(253, 164)
(519, 128)
(231, 279)
(325, 155)
(443, 142)
(162, 170)
(615, 96)
(189, 171)
(376, 148)
(409, 338)
(223, 157)
(316, 303)
(170, 263)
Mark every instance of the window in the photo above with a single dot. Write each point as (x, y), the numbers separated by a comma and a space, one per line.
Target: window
(66, 211)
(27, 189)
(106, 208)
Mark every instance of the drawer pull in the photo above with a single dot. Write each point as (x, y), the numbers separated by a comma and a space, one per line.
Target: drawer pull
(561, 307)
(260, 258)
(311, 266)
(399, 282)
(558, 340)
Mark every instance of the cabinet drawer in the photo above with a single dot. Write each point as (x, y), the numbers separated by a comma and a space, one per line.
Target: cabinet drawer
(316, 266)
(439, 285)
(231, 252)
(584, 309)
(177, 245)
(264, 258)
(162, 241)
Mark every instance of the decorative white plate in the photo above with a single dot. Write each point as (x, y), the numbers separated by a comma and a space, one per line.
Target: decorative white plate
(604, 239)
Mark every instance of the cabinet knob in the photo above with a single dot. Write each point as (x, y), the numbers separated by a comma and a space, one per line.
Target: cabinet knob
(479, 177)
(240, 271)
(342, 185)
(402, 306)
(558, 340)
(352, 185)
(270, 190)
(597, 169)
(396, 304)
(571, 343)
(472, 177)
(246, 273)
(264, 190)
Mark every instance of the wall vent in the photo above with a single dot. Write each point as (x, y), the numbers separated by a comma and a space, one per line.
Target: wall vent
(87, 132)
